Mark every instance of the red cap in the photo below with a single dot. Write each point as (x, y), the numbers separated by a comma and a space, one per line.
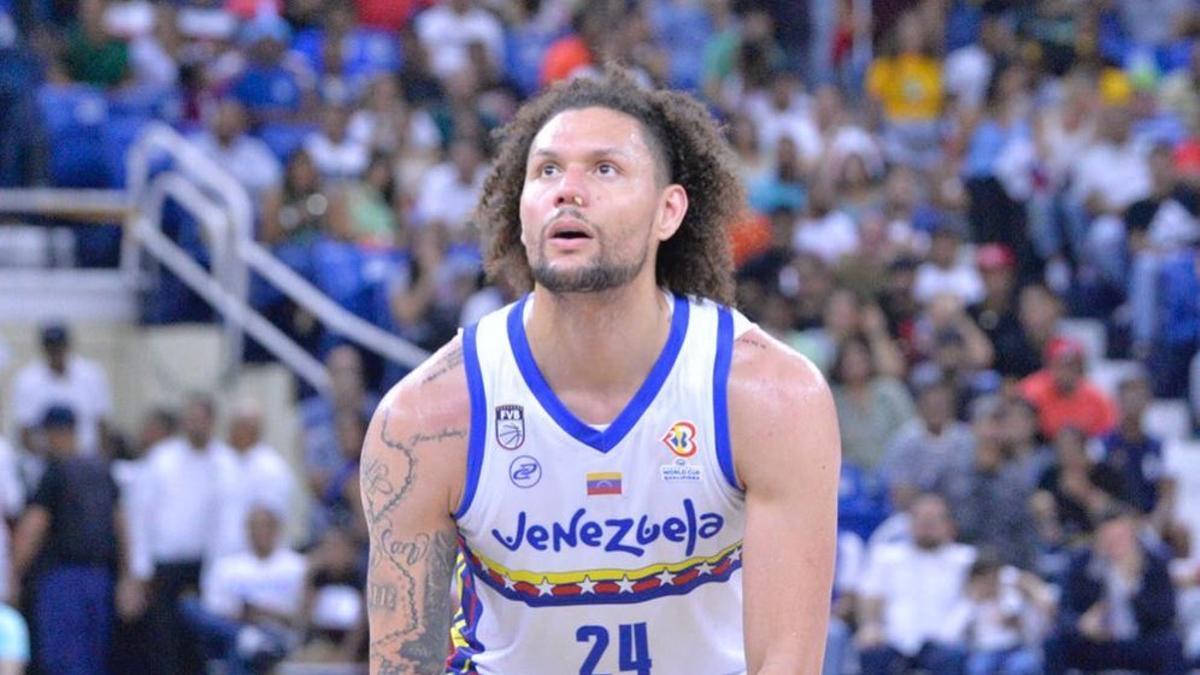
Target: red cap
(992, 257)
(1061, 348)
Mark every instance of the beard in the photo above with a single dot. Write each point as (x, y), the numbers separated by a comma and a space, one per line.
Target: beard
(602, 275)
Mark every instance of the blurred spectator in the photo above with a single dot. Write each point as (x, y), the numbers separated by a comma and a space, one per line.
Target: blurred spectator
(1118, 606)
(825, 231)
(1079, 486)
(785, 113)
(988, 495)
(93, 55)
(387, 123)
(247, 158)
(909, 590)
(1019, 428)
(929, 449)
(997, 314)
(1185, 574)
(338, 504)
(1178, 332)
(364, 211)
(272, 85)
(1157, 228)
(156, 55)
(1063, 396)
(1132, 453)
(70, 545)
(333, 607)
(62, 378)
(176, 516)
(969, 69)
(907, 84)
(337, 155)
(449, 27)
(318, 414)
(449, 190)
(1008, 611)
(871, 408)
(1180, 91)
(846, 578)
(946, 271)
(296, 212)
(260, 476)
(250, 601)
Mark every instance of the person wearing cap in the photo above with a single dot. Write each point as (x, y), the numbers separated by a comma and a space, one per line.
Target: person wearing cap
(1063, 396)
(70, 546)
(65, 378)
(997, 315)
(945, 271)
(1117, 609)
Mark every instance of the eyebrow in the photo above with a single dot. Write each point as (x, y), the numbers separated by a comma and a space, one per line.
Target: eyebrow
(607, 151)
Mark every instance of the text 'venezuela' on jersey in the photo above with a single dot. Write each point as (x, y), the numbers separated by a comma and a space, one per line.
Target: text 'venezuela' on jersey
(601, 550)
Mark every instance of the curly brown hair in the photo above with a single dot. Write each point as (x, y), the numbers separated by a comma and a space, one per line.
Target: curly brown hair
(690, 146)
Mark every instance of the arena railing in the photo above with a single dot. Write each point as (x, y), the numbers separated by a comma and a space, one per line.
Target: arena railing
(236, 253)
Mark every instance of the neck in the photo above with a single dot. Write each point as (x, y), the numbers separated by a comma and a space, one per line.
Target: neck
(604, 343)
(1131, 427)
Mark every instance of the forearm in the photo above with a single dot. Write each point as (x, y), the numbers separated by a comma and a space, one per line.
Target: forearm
(27, 541)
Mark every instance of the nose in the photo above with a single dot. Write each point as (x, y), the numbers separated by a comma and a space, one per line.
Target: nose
(570, 190)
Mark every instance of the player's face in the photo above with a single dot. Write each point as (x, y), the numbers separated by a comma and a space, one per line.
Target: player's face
(593, 208)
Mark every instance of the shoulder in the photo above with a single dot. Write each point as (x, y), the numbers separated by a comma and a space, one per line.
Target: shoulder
(424, 419)
(780, 409)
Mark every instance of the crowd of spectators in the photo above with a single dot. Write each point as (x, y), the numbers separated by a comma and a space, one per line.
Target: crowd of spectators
(934, 187)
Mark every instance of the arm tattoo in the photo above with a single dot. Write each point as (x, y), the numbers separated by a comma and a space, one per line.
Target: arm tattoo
(379, 485)
(420, 645)
(452, 360)
(752, 341)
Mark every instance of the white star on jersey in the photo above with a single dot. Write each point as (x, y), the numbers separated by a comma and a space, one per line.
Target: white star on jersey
(625, 585)
(704, 568)
(665, 578)
(545, 587)
(509, 585)
(587, 585)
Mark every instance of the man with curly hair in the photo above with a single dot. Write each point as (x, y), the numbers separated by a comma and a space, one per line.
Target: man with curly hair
(631, 476)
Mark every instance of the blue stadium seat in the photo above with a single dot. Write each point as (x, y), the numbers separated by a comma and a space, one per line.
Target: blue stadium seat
(73, 118)
(283, 139)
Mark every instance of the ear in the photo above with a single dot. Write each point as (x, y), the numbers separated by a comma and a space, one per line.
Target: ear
(671, 210)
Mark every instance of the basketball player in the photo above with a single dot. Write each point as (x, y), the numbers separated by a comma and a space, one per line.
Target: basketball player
(638, 480)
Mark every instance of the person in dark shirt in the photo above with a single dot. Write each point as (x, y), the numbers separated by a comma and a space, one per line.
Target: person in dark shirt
(1130, 451)
(70, 543)
(1117, 609)
(997, 314)
(1079, 486)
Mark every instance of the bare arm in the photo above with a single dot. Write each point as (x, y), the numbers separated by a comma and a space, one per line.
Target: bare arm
(27, 541)
(413, 467)
(787, 453)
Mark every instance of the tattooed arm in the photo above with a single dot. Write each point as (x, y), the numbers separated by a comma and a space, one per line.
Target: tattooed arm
(413, 469)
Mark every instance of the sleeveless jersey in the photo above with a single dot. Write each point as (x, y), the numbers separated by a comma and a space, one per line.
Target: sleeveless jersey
(612, 549)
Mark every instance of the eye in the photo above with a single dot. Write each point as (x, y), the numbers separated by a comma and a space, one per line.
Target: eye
(548, 169)
(606, 169)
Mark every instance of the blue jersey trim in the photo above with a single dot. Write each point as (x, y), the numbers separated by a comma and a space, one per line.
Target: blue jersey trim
(460, 661)
(478, 432)
(721, 367)
(607, 439)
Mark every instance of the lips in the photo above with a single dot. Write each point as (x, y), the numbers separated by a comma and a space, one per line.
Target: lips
(568, 229)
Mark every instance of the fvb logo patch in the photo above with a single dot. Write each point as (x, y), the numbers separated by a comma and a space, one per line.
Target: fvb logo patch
(681, 439)
(510, 426)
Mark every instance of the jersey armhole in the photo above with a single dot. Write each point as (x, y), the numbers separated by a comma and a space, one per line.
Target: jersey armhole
(478, 432)
(721, 368)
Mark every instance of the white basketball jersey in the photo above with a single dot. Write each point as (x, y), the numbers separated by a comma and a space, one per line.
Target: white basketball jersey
(601, 550)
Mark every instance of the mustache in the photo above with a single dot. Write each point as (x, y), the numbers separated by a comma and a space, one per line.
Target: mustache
(567, 212)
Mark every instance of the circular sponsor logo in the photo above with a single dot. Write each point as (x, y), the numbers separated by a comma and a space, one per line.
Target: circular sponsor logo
(525, 472)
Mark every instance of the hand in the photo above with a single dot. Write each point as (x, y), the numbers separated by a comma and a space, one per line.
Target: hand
(1091, 624)
(131, 598)
(869, 636)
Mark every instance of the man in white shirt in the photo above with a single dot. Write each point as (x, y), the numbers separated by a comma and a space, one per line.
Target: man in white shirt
(66, 379)
(249, 159)
(909, 590)
(447, 30)
(176, 515)
(946, 271)
(450, 190)
(260, 476)
(250, 601)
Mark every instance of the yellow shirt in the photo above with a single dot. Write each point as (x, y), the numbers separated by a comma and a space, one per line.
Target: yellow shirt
(909, 86)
